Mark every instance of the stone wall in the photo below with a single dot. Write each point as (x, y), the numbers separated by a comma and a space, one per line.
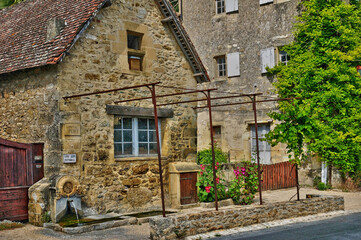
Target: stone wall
(253, 28)
(32, 108)
(179, 226)
(246, 32)
(99, 61)
(29, 111)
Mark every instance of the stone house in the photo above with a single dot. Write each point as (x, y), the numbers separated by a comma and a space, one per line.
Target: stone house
(102, 152)
(236, 40)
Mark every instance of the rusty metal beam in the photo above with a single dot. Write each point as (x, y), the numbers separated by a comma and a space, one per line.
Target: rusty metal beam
(111, 90)
(205, 99)
(154, 100)
(257, 148)
(165, 95)
(241, 103)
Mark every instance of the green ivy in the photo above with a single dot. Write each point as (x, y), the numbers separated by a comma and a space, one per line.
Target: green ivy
(324, 119)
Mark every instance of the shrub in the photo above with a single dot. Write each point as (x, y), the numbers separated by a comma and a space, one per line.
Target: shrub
(244, 186)
(205, 156)
(205, 180)
(205, 184)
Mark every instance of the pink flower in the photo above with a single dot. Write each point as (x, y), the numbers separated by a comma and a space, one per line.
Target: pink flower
(201, 173)
(208, 189)
(217, 163)
(202, 167)
(217, 180)
(216, 167)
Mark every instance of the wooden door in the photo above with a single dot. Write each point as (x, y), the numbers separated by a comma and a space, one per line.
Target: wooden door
(16, 176)
(188, 188)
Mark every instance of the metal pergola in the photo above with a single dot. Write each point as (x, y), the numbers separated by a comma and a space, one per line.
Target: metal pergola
(207, 92)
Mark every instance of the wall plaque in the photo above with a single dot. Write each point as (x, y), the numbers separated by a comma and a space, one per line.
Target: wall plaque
(71, 129)
(69, 158)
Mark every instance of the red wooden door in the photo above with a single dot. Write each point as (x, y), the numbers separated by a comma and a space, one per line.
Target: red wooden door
(16, 176)
(188, 188)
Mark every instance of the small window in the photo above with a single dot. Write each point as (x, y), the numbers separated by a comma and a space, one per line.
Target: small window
(135, 62)
(134, 137)
(217, 131)
(221, 66)
(135, 55)
(284, 57)
(134, 41)
(220, 6)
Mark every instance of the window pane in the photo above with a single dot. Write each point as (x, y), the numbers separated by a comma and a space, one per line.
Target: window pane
(143, 136)
(117, 149)
(127, 123)
(152, 124)
(117, 123)
(128, 149)
(152, 136)
(133, 42)
(152, 148)
(143, 148)
(142, 123)
(127, 135)
(118, 136)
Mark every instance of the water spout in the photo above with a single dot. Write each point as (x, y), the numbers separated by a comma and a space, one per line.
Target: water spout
(76, 211)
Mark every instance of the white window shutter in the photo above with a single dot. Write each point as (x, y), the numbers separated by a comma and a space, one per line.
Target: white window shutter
(265, 1)
(231, 6)
(233, 68)
(267, 59)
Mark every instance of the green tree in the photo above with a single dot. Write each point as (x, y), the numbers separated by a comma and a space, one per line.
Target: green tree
(7, 3)
(324, 119)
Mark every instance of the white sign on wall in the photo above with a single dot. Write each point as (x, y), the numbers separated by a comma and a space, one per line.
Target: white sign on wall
(69, 158)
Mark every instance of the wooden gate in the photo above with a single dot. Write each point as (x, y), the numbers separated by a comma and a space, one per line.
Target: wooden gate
(188, 188)
(21, 165)
(279, 175)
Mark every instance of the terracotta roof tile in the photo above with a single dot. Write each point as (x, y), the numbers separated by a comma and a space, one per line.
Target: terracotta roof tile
(24, 28)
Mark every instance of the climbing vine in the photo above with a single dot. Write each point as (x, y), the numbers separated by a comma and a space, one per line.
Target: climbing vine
(324, 117)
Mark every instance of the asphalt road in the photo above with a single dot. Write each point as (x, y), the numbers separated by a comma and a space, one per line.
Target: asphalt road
(338, 228)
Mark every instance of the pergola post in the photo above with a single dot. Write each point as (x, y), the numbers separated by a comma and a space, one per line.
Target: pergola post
(257, 148)
(212, 144)
(154, 100)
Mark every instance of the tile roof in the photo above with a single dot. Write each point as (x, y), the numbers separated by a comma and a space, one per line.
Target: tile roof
(24, 31)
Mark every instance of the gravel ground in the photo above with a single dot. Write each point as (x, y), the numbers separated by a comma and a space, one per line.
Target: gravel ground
(141, 232)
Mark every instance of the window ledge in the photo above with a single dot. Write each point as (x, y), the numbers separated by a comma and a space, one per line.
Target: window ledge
(140, 158)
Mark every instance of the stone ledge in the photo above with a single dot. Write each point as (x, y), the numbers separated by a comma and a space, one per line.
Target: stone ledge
(183, 225)
(93, 227)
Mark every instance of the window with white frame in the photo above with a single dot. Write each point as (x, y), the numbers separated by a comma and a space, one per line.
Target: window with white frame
(134, 136)
(283, 57)
(264, 147)
(221, 66)
(226, 6)
(220, 6)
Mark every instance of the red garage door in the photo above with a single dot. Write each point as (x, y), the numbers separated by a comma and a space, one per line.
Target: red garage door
(21, 165)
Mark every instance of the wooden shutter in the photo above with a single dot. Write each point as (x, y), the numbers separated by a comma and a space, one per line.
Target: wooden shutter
(231, 6)
(267, 59)
(265, 1)
(233, 64)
